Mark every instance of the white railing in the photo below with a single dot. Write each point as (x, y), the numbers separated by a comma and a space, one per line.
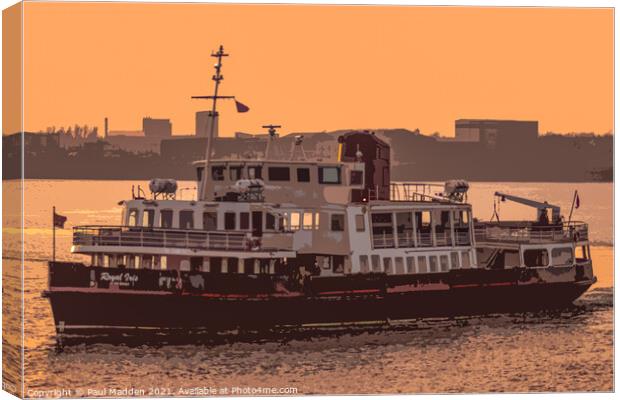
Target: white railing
(519, 232)
(161, 237)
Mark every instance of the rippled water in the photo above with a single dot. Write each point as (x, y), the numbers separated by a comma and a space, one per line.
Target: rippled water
(570, 350)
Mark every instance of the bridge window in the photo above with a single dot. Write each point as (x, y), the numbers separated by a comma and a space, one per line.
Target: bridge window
(303, 174)
(357, 177)
(165, 218)
(279, 174)
(255, 172)
(337, 222)
(270, 221)
(217, 173)
(329, 175)
(360, 225)
(148, 217)
(562, 256)
(244, 220)
(132, 219)
(209, 221)
(536, 258)
(186, 219)
(230, 221)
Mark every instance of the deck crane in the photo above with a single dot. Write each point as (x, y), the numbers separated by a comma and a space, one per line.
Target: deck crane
(541, 215)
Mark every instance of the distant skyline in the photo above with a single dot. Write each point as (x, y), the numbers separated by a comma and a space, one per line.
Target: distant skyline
(316, 68)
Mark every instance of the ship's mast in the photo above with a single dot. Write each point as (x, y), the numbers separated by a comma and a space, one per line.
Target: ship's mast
(218, 77)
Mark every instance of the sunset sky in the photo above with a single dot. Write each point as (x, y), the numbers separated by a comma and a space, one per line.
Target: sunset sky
(315, 68)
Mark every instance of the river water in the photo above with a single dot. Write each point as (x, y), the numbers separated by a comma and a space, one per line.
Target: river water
(571, 350)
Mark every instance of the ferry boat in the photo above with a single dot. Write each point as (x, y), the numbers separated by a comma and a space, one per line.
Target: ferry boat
(293, 239)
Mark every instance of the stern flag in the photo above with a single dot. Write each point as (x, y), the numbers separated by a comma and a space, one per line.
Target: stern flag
(59, 221)
(577, 202)
(241, 107)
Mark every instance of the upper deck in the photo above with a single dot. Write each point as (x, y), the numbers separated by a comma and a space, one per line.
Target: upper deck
(525, 232)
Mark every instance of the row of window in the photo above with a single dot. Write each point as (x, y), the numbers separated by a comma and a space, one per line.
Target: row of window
(288, 221)
(326, 175)
(415, 264)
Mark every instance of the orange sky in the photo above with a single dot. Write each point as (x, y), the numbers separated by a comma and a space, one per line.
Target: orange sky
(314, 68)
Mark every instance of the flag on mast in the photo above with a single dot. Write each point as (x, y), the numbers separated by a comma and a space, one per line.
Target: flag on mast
(241, 107)
(59, 220)
(577, 202)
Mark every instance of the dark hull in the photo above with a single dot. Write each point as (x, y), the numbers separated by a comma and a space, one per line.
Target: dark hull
(91, 311)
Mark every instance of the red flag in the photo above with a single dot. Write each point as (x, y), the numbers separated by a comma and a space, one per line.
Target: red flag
(241, 107)
(59, 221)
(577, 202)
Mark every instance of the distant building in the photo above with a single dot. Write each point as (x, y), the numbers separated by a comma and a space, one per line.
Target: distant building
(204, 120)
(153, 127)
(493, 133)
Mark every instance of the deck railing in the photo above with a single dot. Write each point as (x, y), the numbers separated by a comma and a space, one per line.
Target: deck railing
(520, 232)
(165, 238)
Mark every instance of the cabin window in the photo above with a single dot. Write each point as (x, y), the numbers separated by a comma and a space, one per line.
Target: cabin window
(279, 174)
(235, 173)
(329, 175)
(303, 174)
(422, 266)
(432, 264)
(337, 222)
(132, 219)
(217, 173)
(357, 177)
(186, 219)
(465, 261)
(233, 265)
(165, 219)
(364, 267)
(443, 263)
(387, 265)
(270, 222)
(454, 259)
(376, 264)
(244, 220)
(316, 220)
(230, 223)
(511, 258)
(410, 265)
(442, 229)
(404, 229)
(148, 217)
(248, 266)
(215, 265)
(536, 258)
(338, 264)
(255, 172)
(199, 172)
(209, 221)
(423, 228)
(360, 225)
(581, 253)
(399, 267)
(562, 256)
(307, 221)
(382, 230)
(147, 262)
